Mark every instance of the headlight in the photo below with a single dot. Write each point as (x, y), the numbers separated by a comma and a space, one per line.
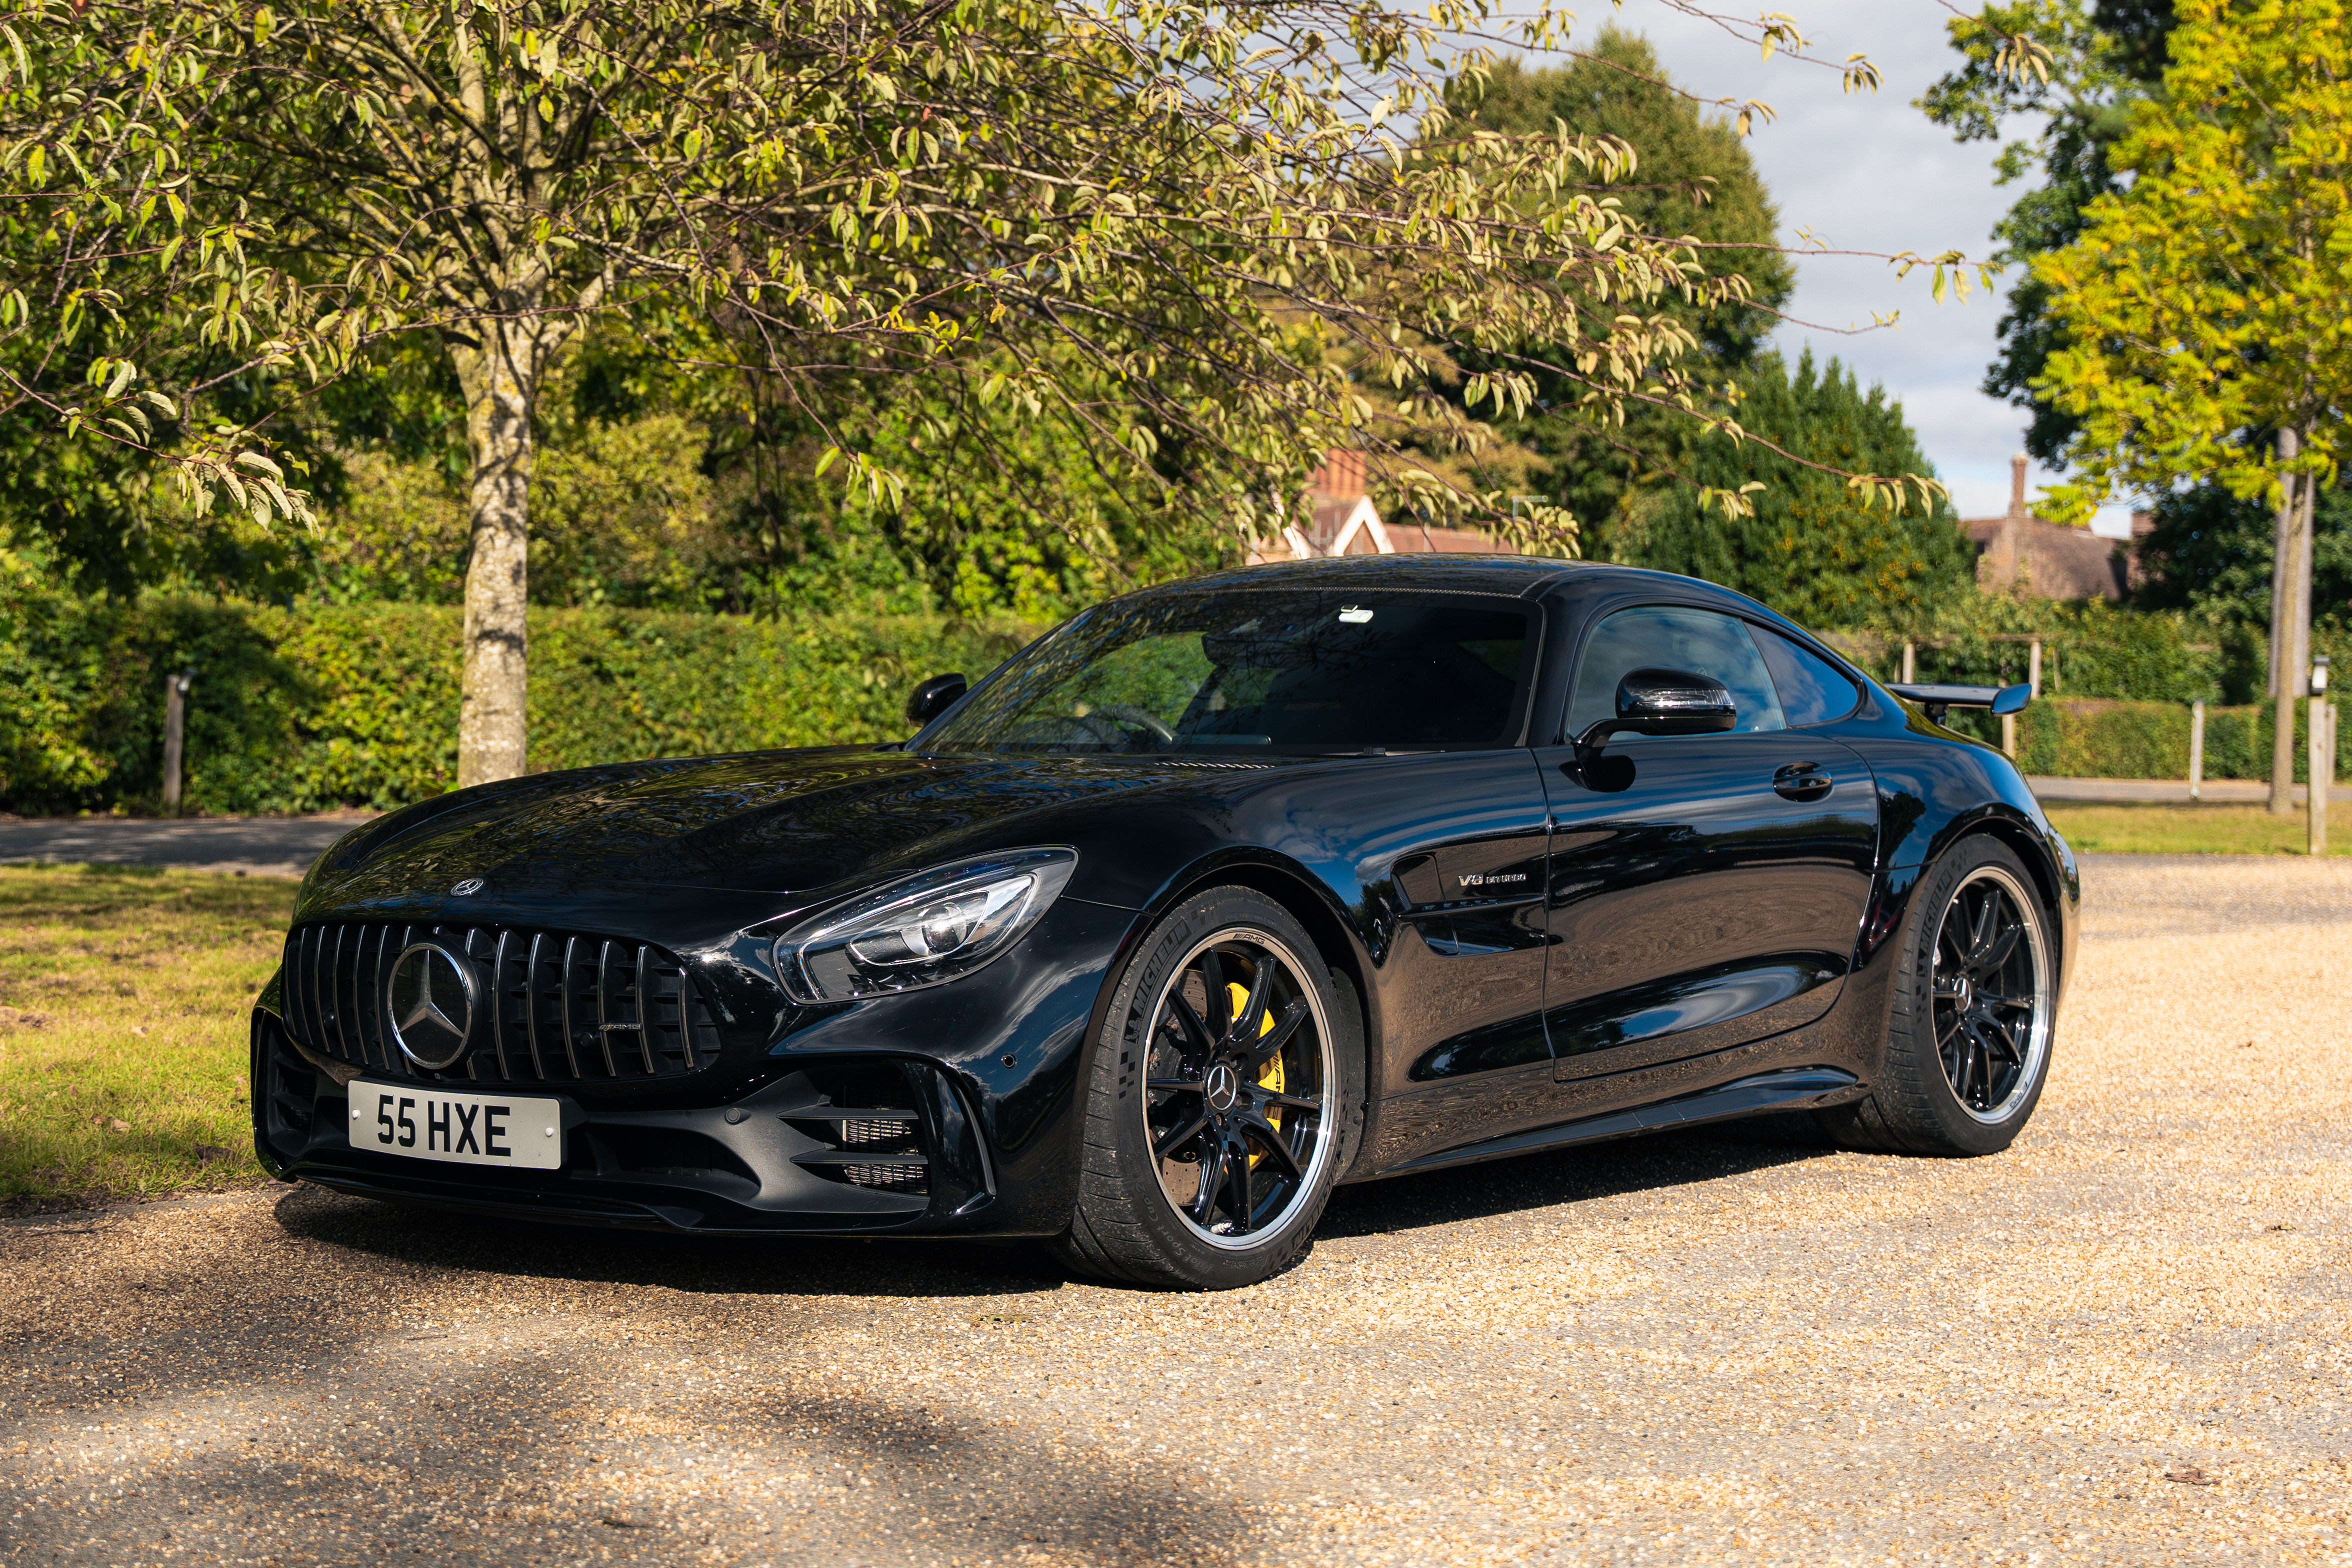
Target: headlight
(932, 927)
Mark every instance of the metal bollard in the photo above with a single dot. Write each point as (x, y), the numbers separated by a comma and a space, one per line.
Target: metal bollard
(2321, 738)
(2196, 751)
(175, 718)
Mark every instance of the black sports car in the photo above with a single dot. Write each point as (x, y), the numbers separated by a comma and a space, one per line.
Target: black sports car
(1220, 894)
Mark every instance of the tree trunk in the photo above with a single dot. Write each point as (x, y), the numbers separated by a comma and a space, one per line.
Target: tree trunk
(501, 376)
(2290, 621)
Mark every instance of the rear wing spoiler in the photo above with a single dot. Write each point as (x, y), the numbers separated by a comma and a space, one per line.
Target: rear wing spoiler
(1936, 700)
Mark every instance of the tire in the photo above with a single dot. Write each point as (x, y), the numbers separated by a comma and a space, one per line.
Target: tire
(1969, 1038)
(1215, 1128)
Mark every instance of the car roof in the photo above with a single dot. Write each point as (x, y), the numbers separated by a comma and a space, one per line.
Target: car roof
(1517, 575)
(1521, 576)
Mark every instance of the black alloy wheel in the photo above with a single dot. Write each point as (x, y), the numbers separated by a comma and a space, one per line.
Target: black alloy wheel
(1236, 1088)
(1225, 1097)
(1988, 994)
(1968, 1035)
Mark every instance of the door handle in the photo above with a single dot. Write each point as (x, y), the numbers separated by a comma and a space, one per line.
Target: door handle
(1802, 781)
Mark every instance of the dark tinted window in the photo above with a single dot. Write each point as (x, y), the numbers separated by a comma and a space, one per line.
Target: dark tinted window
(1812, 690)
(1259, 671)
(1668, 636)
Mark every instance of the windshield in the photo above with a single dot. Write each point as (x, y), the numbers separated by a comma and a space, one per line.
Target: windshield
(1260, 670)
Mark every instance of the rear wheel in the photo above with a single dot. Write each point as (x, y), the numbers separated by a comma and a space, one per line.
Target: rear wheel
(1967, 1047)
(1225, 1094)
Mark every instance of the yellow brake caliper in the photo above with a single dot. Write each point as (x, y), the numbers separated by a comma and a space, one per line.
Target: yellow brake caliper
(1237, 998)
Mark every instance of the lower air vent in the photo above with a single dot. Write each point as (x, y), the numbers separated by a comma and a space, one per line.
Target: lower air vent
(870, 1132)
(289, 1087)
(670, 1152)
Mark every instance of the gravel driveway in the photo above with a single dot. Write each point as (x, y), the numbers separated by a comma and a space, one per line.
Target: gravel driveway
(2124, 1340)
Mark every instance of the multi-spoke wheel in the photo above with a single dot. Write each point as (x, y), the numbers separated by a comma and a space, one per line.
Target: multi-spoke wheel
(1968, 1045)
(1237, 1086)
(1991, 993)
(1224, 1097)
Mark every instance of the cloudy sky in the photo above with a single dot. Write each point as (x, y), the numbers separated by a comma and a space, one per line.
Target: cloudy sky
(1870, 172)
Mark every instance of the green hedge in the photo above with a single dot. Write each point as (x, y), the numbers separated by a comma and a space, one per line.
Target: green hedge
(307, 708)
(2091, 737)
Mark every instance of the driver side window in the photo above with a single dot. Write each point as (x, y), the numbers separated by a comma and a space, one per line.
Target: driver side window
(1668, 636)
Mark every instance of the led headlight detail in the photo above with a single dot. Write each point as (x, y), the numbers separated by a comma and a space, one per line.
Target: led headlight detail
(930, 929)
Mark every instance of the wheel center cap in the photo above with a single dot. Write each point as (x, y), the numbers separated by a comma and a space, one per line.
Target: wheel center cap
(1964, 992)
(1223, 1086)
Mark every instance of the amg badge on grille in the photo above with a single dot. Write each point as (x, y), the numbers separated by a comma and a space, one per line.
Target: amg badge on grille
(430, 994)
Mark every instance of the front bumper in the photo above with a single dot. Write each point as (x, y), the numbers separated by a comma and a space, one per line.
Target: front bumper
(840, 1145)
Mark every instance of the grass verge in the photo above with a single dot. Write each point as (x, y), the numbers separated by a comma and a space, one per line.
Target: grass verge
(2194, 829)
(123, 1001)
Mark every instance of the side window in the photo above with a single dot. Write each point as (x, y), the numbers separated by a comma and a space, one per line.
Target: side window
(1812, 690)
(1668, 637)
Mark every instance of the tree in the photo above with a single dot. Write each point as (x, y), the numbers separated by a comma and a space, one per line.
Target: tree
(1145, 224)
(2090, 65)
(2212, 554)
(1807, 550)
(2200, 308)
(1692, 177)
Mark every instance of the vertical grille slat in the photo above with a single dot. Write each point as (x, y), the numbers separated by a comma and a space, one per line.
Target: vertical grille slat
(289, 989)
(317, 1019)
(604, 1023)
(347, 1017)
(530, 1002)
(499, 1001)
(380, 1045)
(563, 988)
(334, 993)
(644, 1003)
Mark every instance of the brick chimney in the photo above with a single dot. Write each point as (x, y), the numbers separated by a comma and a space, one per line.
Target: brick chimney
(2017, 466)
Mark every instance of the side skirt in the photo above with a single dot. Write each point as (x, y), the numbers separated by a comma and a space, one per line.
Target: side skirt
(1792, 1088)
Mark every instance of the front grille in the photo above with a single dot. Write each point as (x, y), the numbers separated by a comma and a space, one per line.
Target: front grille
(557, 1007)
(871, 1134)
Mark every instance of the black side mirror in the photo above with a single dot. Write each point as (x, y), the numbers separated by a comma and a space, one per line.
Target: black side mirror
(1666, 702)
(935, 697)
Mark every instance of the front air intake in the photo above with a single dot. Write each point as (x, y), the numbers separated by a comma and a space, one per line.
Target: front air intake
(869, 1133)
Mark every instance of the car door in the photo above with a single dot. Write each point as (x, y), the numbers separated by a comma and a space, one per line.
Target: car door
(1467, 888)
(1701, 891)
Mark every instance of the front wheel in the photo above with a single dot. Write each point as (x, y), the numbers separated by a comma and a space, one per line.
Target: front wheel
(1967, 1047)
(1226, 1090)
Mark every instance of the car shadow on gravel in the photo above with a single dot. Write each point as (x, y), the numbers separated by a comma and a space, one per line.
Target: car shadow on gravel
(696, 1265)
(941, 1268)
(1661, 1162)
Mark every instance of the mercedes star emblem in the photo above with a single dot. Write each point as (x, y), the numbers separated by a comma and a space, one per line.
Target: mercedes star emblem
(431, 995)
(465, 889)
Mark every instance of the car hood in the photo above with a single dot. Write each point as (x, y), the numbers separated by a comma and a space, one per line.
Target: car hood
(775, 823)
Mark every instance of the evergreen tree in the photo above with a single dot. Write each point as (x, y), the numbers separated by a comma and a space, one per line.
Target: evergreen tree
(1811, 550)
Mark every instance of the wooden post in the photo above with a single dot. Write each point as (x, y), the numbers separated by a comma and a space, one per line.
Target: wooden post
(1906, 664)
(175, 718)
(2033, 667)
(2009, 735)
(2322, 741)
(2196, 751)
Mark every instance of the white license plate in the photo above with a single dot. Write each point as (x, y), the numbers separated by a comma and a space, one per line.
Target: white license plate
(421, 1123)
